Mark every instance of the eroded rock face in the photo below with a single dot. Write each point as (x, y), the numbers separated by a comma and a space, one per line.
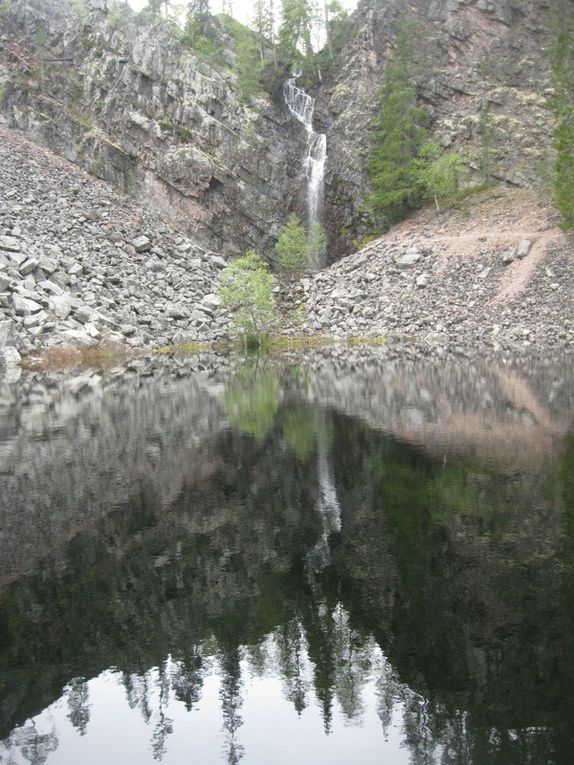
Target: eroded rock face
(126, 101)
(471, 55)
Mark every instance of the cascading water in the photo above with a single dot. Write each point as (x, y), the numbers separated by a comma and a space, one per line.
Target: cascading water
(301, 106)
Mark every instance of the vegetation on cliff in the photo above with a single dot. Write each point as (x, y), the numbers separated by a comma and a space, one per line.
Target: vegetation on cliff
(406, 165)
(562, 61)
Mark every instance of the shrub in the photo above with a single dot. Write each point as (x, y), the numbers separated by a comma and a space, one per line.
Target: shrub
(296, 249)
(246, 289)
(439, 172)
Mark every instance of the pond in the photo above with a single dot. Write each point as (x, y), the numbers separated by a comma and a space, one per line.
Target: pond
(326, 559)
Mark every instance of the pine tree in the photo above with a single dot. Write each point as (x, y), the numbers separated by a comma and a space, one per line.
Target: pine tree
(295, 32)
(401, 130)
(562, 61)
(197, 22)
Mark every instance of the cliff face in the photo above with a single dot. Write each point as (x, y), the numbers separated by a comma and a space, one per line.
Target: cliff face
(469, 56)
(125, 100)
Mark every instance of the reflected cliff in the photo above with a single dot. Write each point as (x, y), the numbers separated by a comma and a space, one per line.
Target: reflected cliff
(261, 558)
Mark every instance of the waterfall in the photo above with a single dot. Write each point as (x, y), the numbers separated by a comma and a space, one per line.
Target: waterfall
(301, 106)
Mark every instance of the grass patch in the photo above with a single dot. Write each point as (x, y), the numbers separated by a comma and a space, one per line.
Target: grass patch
(296, 342)
(67, 358)
(184, 348)
(366, 340)
(463, 194)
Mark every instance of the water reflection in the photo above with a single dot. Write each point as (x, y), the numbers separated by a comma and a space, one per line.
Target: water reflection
(314, 564)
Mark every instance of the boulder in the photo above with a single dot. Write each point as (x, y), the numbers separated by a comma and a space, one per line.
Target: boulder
(410, 258)
(523, 248)
(6, 333)
(141, 244)
(24, 306)
(10, 244)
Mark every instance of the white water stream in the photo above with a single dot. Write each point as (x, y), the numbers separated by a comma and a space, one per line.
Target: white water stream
(301, 106)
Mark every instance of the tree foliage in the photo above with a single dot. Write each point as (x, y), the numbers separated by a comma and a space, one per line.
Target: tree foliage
(292, 246)
(401, 130)
(246, 288)
(295, 32)
(562, 62)
(439, 172)
(297, 248)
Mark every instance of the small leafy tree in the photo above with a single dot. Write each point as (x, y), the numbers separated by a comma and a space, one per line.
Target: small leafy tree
(292, 246)
(296, 248)
(439, 172)
(246, 289)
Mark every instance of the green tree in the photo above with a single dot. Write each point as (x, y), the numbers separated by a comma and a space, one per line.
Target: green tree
(295, 46)
(246, 288)
(198, 22)
(439, 172)
(292, 246)
(562, 62)
(401, 130)
(297, 249)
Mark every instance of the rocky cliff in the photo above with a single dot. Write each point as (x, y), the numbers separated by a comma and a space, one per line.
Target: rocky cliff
(122, 97)
(470, 57)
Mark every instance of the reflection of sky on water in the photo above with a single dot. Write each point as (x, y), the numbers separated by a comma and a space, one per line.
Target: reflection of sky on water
(271, 729)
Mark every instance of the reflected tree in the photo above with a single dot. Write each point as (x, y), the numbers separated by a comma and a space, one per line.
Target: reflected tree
(78, 704)
(231, 701)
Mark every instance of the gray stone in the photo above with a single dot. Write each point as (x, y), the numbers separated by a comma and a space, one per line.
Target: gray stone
(9, 357)
(410, 258)
(6, 282)
(141, 244)
(6, 332)
(84, 314)
(35, 319)
(47, 265)
(77, 337)
(75, 269)
(176, 312)
(211, 301)
(51, 287)
(28, 266)
(61, 306)
(523, 248)
(25, 306)
(10, 244)
(17, 258)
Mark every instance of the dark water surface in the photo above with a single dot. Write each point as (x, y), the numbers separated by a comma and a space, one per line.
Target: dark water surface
(330, 562)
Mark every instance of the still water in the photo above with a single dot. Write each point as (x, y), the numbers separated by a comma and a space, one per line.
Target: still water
(324, 561)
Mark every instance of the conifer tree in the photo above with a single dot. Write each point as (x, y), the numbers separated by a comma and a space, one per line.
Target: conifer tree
(562, 61)
(401, 131)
